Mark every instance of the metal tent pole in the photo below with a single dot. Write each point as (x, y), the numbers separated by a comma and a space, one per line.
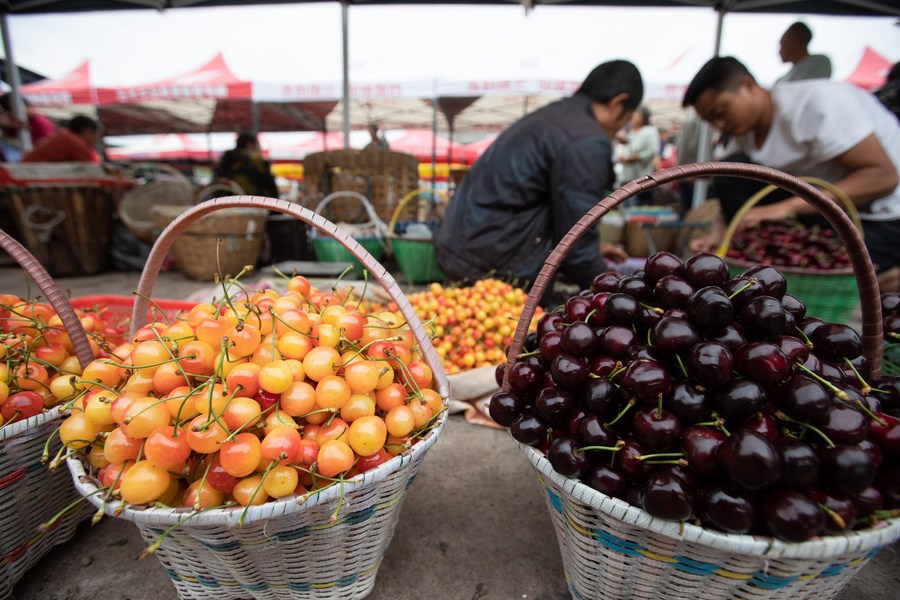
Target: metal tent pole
(434, 112)
(346, 63)
(15, 82)
(704, 146)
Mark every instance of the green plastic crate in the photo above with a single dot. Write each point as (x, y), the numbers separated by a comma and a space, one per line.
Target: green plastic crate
(329, 250)
(827, 296)
(417, 261)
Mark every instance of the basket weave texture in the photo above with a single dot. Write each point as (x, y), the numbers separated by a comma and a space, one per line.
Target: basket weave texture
(384, 176)
(289, 548)
(137, 206)
(200, 254)
(611, 549)
(29, 493)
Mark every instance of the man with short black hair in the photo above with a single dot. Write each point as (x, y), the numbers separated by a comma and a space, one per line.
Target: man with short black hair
(819, 128)
(73, 143)
(536, 180)
(794, 49)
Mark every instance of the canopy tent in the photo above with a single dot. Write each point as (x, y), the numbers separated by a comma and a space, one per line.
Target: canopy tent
(318, 142)
(162, 147)
(73, 88)
(871, 72)
(425, 145)
(25, 75)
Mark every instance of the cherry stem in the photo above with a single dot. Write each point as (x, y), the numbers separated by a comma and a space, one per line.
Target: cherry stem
(806, 425)
(659, 408)
(838, 519)
(862, 406)
(44, 527)
(809, 343)
(655, 309)
(628, 406)
(680, 462)
(716, 416)
(750, 283)
(527, 354)
(661, 455)
(615, 448)
(588, 316)
(866, 388)
(834, 389)
(681, 365)
(717, 423)
(265, 474)
(615, 372)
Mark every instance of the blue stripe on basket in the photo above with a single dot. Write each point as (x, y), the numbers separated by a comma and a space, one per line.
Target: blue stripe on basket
(262, 587)
(688, 565)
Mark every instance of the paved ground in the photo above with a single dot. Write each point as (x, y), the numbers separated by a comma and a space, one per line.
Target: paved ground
(473, 526)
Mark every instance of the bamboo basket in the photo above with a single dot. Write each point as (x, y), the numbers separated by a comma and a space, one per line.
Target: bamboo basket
(284, 549)
(611, 549)
(29, 493)
(828, 294)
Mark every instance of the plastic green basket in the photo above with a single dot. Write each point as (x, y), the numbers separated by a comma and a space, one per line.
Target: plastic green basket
(417, 260)
(890, 360)
(830, 296)
(329, 250)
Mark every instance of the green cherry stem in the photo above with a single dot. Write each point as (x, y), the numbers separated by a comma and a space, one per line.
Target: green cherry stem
(833, 388)
(628, 406)
(784, 417)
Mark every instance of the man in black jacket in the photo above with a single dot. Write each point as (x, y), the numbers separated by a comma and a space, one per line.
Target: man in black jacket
(536, 180)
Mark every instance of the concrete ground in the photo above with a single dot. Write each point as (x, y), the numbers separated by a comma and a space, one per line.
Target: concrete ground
(473, 526)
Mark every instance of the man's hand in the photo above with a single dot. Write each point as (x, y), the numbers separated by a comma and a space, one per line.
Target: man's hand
(780, 211)
(612, 252)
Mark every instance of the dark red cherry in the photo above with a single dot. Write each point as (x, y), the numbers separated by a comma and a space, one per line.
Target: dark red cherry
(885, 431)
(617, 339)
(525, 379)
(874, 452)
(657, 429)
(549, 322)
(687, 402)
(569, 371)
(701, 449)
(890, 304)
(505, 408)
(709, 309)
(566, 457)
(794, 348)
(840, 515)
(661, 264)
(705, 269)
(750, 460)
(499, 374)
(741, 290)
(763, 318)
(672, 292)
(799, 462)
(603, 365)
(667, 496)
(579, 339)
(550, 345)
(634, 286)
(529, 430)
(605, 479)
(673, 335)
(843, 424)
(847, 469)
(868, 501)
(731, 336)
(763, 424)
(729, 509)
(808, 326)
(791, 516)
(601, 397)
(647, 318)
(805, 398)
(794, 306)
(593, 431)
(763, 362)
(835, 342)
(738, 399)
(770, 278)
(888, 483)
(577, 308)
(710, 364)
(554, 405)
(646, 380)
(598, 317)
(628, 461)
(606, 282)
(622, 309)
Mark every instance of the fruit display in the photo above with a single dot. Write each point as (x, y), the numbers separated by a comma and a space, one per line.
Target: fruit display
(790, 244)
(472, 324)
(38, 359)
(243, 401)
(709, 399)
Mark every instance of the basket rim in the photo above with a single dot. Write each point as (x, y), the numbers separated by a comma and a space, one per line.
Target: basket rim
(745, 264)
(823, 548)
(225, 517)
(45, 416)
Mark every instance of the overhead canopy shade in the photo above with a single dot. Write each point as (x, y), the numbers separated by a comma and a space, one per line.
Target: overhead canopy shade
(233, 115)
(25, 75)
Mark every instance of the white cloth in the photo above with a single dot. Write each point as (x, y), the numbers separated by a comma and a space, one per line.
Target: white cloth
(816, 121)
(814, 66)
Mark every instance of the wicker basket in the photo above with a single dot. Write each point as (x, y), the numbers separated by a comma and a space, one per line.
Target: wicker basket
(328, 249)
(828, 294)
(611, 549)
(137, 206)
(416, 257)
(224, 242)
(382, 175)
(284, 549)
(29, 493)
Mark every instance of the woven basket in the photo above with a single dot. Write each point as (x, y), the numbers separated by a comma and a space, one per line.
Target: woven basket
(284, 549)
(328, 249)
(29, 493)
(828, 294)
(224, 242)
(611, 549)
(416, 257)
(137, 206)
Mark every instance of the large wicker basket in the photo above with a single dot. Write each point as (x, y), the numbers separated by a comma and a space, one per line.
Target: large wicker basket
(223, 242)
(285, 549)
(29, 493)
(611, 549)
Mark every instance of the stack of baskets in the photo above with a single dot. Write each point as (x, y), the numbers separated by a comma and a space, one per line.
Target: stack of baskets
(611, 549)
(369, 234)
(414, 252)
(828, 294)
(328, 546)
(30, 495)
(159, 185)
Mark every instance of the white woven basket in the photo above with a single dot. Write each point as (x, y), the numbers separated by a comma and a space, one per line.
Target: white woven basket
(611, 549)
(290, 548)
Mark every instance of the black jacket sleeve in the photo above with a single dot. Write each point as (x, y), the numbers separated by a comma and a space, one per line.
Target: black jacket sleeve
(581, 177)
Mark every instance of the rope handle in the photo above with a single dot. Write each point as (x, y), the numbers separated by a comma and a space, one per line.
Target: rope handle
(370, 210)
(863, 270)
(54, 296)
(437, 196)
(175, 228)
(838, 193)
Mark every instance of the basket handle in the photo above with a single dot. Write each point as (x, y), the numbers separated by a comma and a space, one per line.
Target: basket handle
(167, 238)
(370, 210)
(54, 296)
(859, 257)
(436, 196)
(841, 196)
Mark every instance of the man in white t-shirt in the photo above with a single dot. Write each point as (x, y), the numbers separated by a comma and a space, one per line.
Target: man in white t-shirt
(818, 128)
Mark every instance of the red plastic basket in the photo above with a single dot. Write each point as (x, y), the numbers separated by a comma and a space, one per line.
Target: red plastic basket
(116, 310)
